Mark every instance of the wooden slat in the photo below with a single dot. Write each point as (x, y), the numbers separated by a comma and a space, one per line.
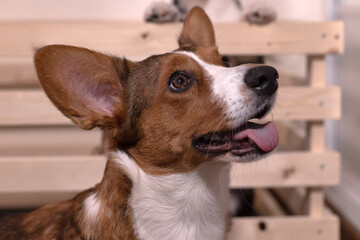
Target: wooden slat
(53, 174)
(317, 71)
(18, 72)
(51, 140)
(75, 173)
(317, 136)
(289, 170)
(316, 202)
(28, 107)
(134, 39)
(317, 77)
(32, 107)
(305, 103)
(285, 228)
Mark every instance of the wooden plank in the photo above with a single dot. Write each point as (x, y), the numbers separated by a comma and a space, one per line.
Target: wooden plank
(51, 140)
(76, 173)
(53, 174)
(305, 103)
(136, 39)
(316, 202)
(288, 170)
(317, 77)
(317, 136)
(17, 72)
(32, 107)
(315, 195)
(28, 107)
(317, 71)
(285, 228)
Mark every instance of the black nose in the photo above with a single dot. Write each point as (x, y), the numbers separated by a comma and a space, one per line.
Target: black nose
(262, 80)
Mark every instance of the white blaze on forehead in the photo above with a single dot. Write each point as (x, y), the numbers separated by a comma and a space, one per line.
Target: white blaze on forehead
(229, 88)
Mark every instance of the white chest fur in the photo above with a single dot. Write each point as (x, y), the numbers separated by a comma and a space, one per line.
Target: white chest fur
(182, 206)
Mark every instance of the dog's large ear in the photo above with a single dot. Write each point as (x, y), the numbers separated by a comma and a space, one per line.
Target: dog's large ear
(85, 86)
(198, 30)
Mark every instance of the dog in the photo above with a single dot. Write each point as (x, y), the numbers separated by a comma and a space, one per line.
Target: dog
(259, 13)
(255, 13)
(177, 122)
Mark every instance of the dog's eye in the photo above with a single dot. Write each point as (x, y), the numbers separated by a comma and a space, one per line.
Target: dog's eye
(226, 61)
(179, 81)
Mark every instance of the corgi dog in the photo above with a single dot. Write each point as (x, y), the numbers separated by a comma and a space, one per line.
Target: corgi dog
(176, 123)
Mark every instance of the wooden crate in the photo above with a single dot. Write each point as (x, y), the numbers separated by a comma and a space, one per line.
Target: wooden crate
(44, 158)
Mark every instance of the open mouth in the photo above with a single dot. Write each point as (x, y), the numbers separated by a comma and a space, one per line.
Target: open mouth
(249, 138)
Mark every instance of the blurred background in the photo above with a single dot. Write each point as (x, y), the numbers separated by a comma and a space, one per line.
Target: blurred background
(343, 70)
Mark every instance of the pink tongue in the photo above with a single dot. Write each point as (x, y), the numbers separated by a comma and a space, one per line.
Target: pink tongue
(265, 136)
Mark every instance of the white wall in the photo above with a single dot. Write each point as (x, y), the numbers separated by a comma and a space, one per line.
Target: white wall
(344, 135)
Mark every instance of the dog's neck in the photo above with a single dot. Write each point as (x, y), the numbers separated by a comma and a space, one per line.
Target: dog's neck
(191, 205)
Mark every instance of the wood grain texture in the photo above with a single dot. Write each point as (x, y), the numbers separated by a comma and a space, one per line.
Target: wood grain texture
(285, 228)
(289, 169)
(48, 141)
(17, 72)
(23, 38)
(53, 173)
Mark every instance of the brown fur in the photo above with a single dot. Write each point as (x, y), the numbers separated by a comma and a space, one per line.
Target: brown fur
(198, 30)
(66, 220)
(141, 116)
(169, 122)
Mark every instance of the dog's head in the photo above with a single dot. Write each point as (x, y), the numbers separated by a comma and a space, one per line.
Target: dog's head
(173, 111)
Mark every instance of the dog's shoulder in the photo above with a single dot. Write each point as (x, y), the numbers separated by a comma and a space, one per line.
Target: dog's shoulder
(55, 221)
(10, 228)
